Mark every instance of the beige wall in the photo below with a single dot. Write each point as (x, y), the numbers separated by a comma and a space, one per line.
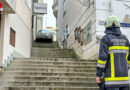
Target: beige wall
(52, 29)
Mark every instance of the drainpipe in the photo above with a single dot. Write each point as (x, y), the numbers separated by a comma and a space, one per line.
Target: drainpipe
(111, 7)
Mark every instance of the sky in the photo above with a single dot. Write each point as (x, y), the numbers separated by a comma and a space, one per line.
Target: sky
(49, 19)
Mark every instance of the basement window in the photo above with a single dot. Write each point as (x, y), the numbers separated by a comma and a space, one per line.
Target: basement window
(64, 8)
(12, 37)
(79, 38)
(75, 33)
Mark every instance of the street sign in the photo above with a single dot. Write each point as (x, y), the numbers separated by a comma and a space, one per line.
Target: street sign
(125, 24)
(40, 8)
(122, 24)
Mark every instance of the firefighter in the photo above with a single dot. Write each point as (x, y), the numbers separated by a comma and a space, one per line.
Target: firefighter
(113, 57)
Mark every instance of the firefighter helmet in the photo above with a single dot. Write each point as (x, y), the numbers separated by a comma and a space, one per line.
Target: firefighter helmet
(112, 21)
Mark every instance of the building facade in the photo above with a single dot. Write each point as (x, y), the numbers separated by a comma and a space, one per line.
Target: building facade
(55, 12)
(80, 23)
(52, 29)
(37, 20)
(15, 30)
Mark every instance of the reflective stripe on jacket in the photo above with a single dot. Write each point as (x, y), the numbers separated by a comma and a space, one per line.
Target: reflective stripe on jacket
(113, 59)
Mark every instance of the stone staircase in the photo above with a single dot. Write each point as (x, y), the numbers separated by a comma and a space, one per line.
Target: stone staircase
(49, 68)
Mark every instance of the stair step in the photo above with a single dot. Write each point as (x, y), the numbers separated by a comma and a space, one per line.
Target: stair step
(57, 63)
(41, 48)
(39, 54)
(55, 56)
(71, 59)
(48, 88)
(46, 69)
(48, 83)
(80, 79)
(58, 56)
(52, 56)
(50, 53)
(64, 61)
(49, 68)
(53, 65)
(40, 64)
(44, 50)
(55, 59)
(41, 74)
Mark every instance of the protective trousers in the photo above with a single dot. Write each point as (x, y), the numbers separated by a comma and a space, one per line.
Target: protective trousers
(121, 88)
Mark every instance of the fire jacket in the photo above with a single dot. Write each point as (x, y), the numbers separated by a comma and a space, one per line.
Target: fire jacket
(113, 58)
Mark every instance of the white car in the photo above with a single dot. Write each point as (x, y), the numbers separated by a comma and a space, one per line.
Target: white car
(44, 35)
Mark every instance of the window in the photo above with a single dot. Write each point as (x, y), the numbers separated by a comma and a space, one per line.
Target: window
(12, 37)
(65, 34)
(64, 9)
(79, 38)
(75, 33)
(78, 33)
(87, 37)
(67, 29)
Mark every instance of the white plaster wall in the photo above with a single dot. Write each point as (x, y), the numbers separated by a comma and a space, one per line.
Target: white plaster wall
(5, 38)
(24, 13)
(23, 37)
(121, 12)
(7, 48)
(104, 9)
(77, 15)
(21, 23)
(60, 23)
(1, 39)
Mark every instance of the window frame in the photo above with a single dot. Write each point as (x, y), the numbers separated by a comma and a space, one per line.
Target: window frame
(87, 30)
(12, 37)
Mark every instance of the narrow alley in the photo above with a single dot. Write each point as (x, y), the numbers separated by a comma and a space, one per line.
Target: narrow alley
(64, 44)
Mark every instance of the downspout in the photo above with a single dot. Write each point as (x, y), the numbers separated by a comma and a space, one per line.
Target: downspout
(111, 7)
